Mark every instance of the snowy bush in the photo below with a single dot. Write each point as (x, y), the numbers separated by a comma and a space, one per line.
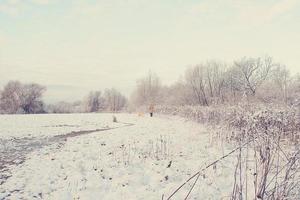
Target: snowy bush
(271, 166)
(250, 119)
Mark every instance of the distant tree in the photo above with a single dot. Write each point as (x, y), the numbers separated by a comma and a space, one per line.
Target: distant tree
(65, 107)
(148, 90)
(294, 89)
(31, 98)
(60, 107)
(77, 107)
(177, 94)
(253, 72)
(281, 78)
(94, 102)
(195, 78)
(22, 98)
(114, 100)
(234, 86)
(215, 78)
(207, 82)
(10, 100)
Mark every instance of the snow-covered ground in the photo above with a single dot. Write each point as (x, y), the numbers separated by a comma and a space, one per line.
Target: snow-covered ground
(15, 126)
(142, 159)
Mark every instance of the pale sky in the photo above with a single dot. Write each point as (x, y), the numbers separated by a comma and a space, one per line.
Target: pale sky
(74, 46)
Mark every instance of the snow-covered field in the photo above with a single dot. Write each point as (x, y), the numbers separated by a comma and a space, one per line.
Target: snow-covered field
(15, 126)
(141, 158)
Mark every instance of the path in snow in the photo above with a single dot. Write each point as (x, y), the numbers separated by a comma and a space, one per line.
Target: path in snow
(14, 151)
(143, 161)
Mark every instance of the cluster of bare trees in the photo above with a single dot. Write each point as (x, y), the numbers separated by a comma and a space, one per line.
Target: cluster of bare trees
(93, 102)
(114, 100)
(110, 101)
(148, 90)
(65, 107)
(213, 82)
(21, 98)
(209, 83)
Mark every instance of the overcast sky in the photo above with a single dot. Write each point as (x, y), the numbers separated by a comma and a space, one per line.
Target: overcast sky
(73, 46)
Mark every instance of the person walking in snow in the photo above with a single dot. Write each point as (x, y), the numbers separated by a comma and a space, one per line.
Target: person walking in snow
(151, 110)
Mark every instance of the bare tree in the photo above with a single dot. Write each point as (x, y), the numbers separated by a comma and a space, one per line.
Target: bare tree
(94, 102)
(195, 78)
(114, 100)
(215, 79)
(11, 97)
(281, 78)
(253, 72)
(31, 98)
(22, 98)
(177, 94)
(294, 89)
(65, 107)
(215, 82)
(148, 90)
(232, 84)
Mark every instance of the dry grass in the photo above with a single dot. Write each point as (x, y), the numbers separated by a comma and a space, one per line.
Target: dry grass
(266, 138)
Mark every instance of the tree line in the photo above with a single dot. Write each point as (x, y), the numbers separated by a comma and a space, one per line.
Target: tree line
(20, 98)
(209, 83)
(213, 82)
(111, 100)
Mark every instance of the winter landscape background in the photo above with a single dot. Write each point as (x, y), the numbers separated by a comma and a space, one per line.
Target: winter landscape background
(78, 80)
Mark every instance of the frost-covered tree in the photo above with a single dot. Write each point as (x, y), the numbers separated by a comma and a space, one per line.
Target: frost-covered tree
(177, 94)
(94, 102)
(215, 78)
(65, 107)
(195, 78)
(253, 72)
(22, 98)
(294, 91)
(207, 82)
(114, 100)
(281, 78)
(214, 82)
(31, 98)
(10, 100)
(233, 88)
(148, 90)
